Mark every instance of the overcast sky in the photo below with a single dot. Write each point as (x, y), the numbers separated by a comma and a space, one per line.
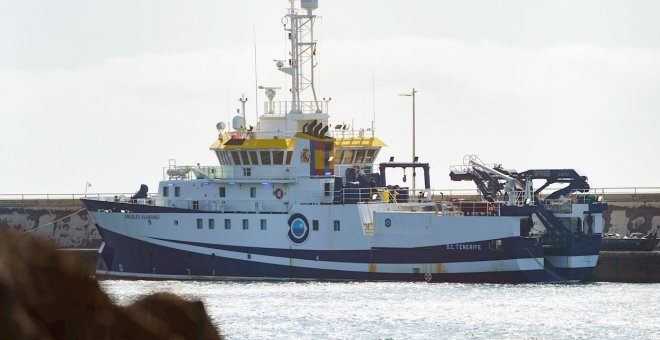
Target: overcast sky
(108, 91)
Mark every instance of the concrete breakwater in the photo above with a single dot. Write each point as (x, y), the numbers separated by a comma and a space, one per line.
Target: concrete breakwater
(627, 266)
(64, 221)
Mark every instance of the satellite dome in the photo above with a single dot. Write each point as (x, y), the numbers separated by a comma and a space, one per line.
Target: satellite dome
(238, 122)
(221, 126)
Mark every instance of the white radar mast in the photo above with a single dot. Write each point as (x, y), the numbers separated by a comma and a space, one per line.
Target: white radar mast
(300, 27)
(270, 94)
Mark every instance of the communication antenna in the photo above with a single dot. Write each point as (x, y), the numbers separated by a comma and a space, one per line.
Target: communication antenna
(254, 39)
(243, 100)
(373, 100)
(299, 26)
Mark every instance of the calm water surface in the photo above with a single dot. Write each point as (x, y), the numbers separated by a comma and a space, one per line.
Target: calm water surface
(417, 310)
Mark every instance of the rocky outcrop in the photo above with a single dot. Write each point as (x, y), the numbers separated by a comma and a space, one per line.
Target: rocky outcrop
(47, 294)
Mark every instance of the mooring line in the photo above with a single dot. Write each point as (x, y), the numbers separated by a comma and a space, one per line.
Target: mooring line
(557, 276)
(57, 220)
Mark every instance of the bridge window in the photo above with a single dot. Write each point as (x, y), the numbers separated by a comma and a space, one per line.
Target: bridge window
(236, 157)
(326, 189)
(263, 224)
(265, 157)
(227, 223)
(177, 191)
(211, 223)
(246, 224)
(289, 154)
(336, 226)
(315, 225)
(253, 158)
(244, 157)
(253, 192)
(348, 157)
(200, 223)
(359, 156)
(338, 154)
(278, 157)
(222, 192)
(166, 191)
(223, 157)
(247, 172)
(226, 157)
(371, 155)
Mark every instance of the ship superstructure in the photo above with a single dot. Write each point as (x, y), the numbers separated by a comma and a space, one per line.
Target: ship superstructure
(296, 198)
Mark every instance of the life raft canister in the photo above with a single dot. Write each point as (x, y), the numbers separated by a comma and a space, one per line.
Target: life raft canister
(279, 193)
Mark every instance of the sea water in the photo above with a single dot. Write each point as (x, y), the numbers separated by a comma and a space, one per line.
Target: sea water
(370, 310)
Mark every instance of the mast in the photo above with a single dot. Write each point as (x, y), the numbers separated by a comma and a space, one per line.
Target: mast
(300, 27)
(282, 119)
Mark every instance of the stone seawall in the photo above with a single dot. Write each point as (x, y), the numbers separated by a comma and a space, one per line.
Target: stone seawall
(627, 266)
(634, 217)
(62, 221)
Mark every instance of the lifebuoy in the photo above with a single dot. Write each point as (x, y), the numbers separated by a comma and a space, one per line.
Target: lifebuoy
(279, 193)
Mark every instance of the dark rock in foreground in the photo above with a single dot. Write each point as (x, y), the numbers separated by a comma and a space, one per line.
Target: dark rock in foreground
(50, 294)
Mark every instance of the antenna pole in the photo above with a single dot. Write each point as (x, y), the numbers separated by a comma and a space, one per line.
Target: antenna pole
(243, 100)
(414, 155)
(256, 101)
(301, 62)
(413, 138)
(373, 101)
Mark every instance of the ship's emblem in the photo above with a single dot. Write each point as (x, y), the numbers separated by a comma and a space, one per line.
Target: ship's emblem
(298, 229)
(304, 156)
(388, 222)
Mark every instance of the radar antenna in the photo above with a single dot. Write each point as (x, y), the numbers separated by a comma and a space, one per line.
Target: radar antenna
(270, 94)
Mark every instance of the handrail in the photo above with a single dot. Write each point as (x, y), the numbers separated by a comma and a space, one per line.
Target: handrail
(48, 197)
(446, 193)
(282, 108)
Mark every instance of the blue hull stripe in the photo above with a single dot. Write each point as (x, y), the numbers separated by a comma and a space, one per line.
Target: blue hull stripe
(510, 250)
(140, 259)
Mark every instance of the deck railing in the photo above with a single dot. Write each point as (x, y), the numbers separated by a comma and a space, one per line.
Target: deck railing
(628, 194)
(281, 108)
(276, 172)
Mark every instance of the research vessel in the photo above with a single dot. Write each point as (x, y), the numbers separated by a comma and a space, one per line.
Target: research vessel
(296, 198)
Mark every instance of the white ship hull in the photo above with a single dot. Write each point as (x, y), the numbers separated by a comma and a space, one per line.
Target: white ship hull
(146, 242)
